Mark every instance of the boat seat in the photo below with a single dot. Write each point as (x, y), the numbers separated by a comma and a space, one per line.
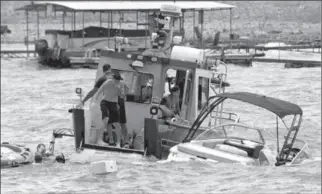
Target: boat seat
(211, 145)
(231, 149)
(249, 150)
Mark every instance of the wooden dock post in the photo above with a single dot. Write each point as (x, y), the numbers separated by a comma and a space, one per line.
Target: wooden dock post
(83, 32)
(27, 37)
(193, 25)
(230, 27)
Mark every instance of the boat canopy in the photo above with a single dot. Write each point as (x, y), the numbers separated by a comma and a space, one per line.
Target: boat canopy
(92, 6)
(279, 107)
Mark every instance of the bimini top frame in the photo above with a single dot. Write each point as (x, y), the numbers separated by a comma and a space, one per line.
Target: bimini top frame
(279, 107)
(92, 6)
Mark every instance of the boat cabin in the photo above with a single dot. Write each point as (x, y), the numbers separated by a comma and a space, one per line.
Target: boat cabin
(151, 74)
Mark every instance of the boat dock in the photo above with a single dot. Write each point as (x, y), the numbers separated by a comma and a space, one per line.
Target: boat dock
(292, 59)
(244, 59)
(14, 54)
(289, 63)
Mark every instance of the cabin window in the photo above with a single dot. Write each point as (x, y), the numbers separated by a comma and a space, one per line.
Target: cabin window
(140, 86)
(175, 78)
(203, 91)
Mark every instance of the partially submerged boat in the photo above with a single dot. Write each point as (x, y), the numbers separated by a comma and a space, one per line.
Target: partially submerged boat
(240, 143)
(15, 155)
(149, 75)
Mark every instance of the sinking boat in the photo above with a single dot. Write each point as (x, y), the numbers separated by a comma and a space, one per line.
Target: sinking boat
(149, 75)
(15, 155)
(240, 143)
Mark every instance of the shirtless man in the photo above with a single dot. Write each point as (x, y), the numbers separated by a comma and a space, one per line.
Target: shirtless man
(121, 101)
(107, 75)
(109, 106)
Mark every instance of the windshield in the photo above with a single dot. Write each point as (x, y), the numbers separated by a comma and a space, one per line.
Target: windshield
(232, 131)
(218, 116)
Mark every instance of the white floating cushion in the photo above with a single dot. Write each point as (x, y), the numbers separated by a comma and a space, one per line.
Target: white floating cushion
(103, 167)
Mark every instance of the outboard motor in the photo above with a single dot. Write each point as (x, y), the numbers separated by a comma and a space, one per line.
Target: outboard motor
(41, 47)
(78, 123)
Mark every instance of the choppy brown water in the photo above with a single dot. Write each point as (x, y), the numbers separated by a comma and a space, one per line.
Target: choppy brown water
(35, 100)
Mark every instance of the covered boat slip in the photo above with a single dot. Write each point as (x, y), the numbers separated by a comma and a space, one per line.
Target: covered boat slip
(74, 43)
(116, 8)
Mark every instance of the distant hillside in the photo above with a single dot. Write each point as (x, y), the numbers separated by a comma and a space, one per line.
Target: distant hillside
(250, 18)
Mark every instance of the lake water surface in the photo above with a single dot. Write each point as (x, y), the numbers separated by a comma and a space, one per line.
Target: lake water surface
(35, 100)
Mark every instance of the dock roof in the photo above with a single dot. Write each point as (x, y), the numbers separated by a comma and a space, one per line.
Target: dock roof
(92, 6)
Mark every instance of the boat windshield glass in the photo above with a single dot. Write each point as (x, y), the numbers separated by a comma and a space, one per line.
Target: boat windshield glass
(218, 116)
(232, 131)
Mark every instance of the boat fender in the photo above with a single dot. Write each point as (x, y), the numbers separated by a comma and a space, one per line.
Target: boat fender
(103, 167)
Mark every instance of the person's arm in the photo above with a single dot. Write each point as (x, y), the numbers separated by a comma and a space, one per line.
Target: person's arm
(90, 94)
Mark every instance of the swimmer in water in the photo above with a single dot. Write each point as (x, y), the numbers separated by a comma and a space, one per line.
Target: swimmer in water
(42, 154)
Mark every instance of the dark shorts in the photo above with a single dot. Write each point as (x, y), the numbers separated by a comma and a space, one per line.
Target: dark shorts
(122, 111)
(110, 109)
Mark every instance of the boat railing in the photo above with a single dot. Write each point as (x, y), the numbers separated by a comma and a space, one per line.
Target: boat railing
(91, 53)
(227, 116)
(214, 64)
(220, 74)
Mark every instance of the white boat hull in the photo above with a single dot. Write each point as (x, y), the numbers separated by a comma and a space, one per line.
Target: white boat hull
(216, 151)
(187, 152)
